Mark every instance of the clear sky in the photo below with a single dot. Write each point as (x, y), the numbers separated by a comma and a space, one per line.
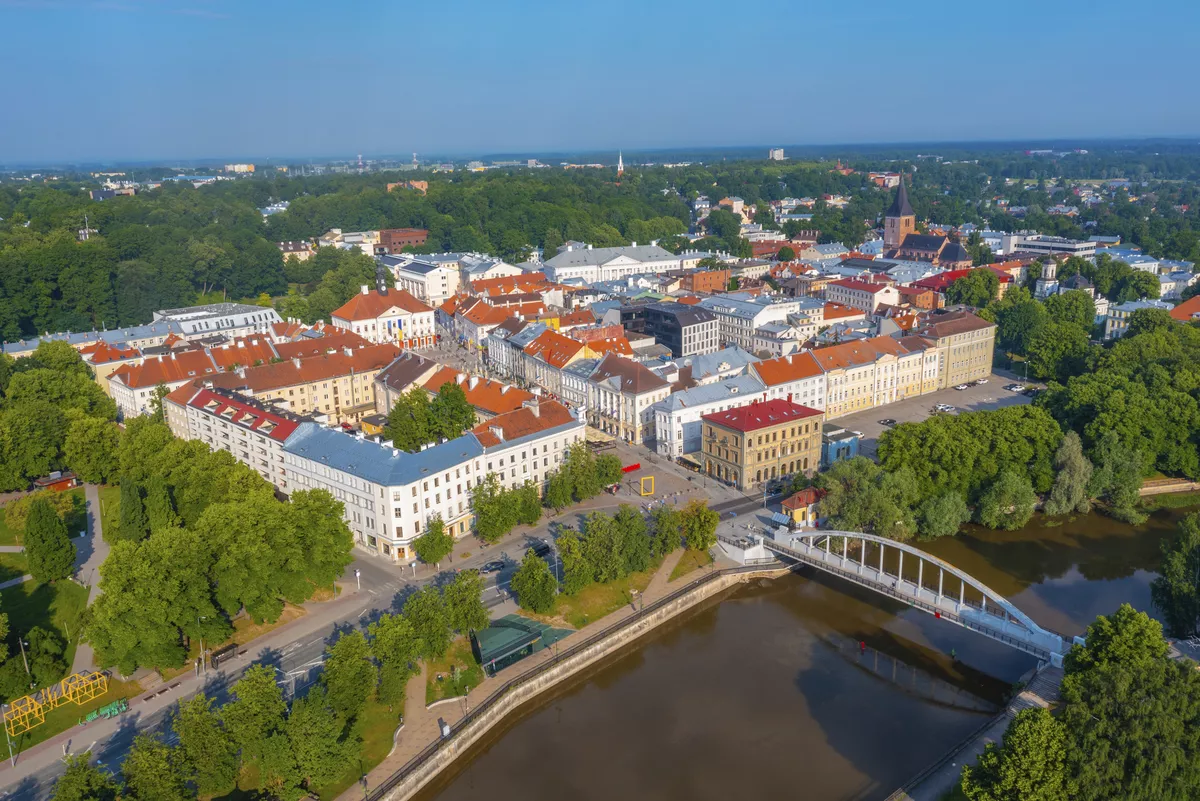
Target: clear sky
(163, 79)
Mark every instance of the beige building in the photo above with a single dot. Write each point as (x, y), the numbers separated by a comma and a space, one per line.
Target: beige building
(963, 344)
(865, 373)
(751, 445)
(621, 393)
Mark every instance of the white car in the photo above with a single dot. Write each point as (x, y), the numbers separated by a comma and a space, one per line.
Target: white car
(981, 381)
(961, 387)
(1017, 388)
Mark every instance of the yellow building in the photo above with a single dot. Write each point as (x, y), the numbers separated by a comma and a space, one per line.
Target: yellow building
(750, 445)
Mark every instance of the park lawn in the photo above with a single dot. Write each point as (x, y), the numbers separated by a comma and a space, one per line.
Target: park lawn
(76, 521)
(691, 561)
(466, 673)
(244, 630)
(1171, 500)
(110, 512)
(7, 535)
(59, 606)
(68, 715)
(597, 600)
(13, 565)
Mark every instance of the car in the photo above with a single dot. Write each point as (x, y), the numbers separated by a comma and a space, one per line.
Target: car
(887, 421)
(980, 381)
(961, 387)
(1015, 387)
(542, 548)
(491, 567)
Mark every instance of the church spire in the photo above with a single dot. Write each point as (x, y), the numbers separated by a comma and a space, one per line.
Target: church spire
(620, 163)
(900, 206)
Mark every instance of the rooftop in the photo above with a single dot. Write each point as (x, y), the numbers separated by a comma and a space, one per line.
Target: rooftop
(762, 414)
(369, 305)
(625, 375)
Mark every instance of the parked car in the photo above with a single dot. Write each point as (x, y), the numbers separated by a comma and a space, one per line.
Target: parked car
(961, 387)
(491, 567)
(887, 421)
(1015, 387)
(980, 381)
(542, 548)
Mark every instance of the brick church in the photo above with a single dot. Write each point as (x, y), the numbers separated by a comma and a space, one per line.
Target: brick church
(901, 240)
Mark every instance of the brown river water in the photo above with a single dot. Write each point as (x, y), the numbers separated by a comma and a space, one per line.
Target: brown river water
(768, 691)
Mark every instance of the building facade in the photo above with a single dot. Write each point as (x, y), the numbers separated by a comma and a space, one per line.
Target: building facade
(621, 393)
(394, 316)
(753, 444)
(686, 330)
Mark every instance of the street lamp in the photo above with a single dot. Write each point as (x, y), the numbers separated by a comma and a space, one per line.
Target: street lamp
(203, 662)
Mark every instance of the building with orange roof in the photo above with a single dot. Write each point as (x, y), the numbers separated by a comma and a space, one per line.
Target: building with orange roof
(490, 398)
(474, 319)
(338, 384)
(606, 345)
(839, 313)
(964, 344)
(105, 359)
(548, 355)
(510, 284)
(387, 316)
(797, 377)
(1188, 311)
(576, 319)
(304, 347)
(865, 373)
(133, 384)
(243, 352)
(749, 445)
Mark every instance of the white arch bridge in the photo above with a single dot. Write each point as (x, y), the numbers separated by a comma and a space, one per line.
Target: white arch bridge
(930, 584)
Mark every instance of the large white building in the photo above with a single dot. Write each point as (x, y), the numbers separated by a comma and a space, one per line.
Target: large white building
(677, 418)
(226, 319)
(591, 265)
(621, 393)
(738, 316)
(433, 278)
(394, 316)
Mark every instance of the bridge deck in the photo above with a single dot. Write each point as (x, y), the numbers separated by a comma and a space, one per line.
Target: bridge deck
(1039, 642)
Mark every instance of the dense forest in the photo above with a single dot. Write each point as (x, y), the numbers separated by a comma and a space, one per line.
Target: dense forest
(178, 245)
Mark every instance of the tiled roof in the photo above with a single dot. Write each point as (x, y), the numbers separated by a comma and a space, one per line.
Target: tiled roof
(575, 318)
(858, 352)
(555, 349)
(242, 411)
(628, 375)
(336, 339)
(961, 322)
(804, 498)
(525, 282)
(1188, 310)
(405, 370)
(370, 305)
(523, 422)
(619, 345)
(761, 414)
(785, 369)
(104, 353)
(836, 311)
(293, 372)
(492, 397)
(243, 352)
(481, 313)
(171, 369)
(859, 286)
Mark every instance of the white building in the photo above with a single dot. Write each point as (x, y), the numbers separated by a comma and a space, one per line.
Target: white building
(591, 265)
(739, 316)
(865, 295)
(394, 317)
(797, 377)
(432, 278)
(227, 319)
(620, 394)
(780, 339)
(1118, 316)
(677, 417)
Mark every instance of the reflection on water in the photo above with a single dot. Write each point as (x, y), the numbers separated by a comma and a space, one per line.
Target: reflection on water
(806, 686)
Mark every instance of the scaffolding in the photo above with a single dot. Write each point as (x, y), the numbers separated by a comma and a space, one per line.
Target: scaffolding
(25, 713)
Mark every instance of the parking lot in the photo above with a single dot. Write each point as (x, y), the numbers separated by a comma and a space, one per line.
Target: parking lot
(991, 395)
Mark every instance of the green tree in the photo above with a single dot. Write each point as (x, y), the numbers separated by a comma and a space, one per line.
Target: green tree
(785, 253)
(49, 550)
(528, 504)
(1056, 349)
(699, 525)
(83, 781)
(426, 610)
(464, 603)
(1176, 591)
(410, 423)
(580, 466)
(1008, 503)
(578, 572)
(160, 509)
(256, 712)
(449, 413)
(1072, 307)
(534, 584)
(435, 544)
(635, 542)
(134, 522)
(397, 647)
(608, 469)
(495, 515)
(45, 651)
(943, 514)
(558, 491)
(1117, 478)
(156, 402)
(1018, 317)
(977, 288)
(90, 449)
(322, 541)
(1029, 765)
(16, 513)
(349, 677)
(860, 497)
(1144, 321)
(668, 529)
(1127, 637)
(1072, 477)
(315, 733)
(153, 771)
(602, 545)
(207, 752)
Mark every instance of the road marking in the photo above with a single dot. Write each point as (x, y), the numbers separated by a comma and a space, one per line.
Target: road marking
(314, 642)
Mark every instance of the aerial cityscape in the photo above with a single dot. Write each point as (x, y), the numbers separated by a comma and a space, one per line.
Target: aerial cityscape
(484, 424)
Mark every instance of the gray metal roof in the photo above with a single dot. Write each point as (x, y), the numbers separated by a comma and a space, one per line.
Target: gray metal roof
(116, 336)
(735, 387)
(711, 364)
(597, 256)
(372, 462)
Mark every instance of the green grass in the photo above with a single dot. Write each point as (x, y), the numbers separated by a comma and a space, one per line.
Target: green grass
(459, 672)
(597, 600)
(7, 535)
(110, 512)
(690, 561)
(1172, 500)
(58, 606)
(13, 565)
(68, 715)
(76, 521)
(375, 727)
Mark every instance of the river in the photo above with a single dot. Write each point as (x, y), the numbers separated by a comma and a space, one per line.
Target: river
(805, 686)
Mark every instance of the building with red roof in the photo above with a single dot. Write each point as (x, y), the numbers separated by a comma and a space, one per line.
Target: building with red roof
(748, 446)
(393, 316)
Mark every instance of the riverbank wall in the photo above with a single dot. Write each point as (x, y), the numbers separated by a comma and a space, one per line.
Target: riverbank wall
(425, 766)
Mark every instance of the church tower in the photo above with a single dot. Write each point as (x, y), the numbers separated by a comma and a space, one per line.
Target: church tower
(620, 164)
(900, 221)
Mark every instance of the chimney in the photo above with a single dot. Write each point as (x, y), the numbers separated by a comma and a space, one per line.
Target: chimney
(589, 247)
(172, 356)
(395, 453)
(241, 372)
(397, 285)
(377, 440)
(365, 289)
(474, 382)
(348, 351)
(497, 431)
(296, 361)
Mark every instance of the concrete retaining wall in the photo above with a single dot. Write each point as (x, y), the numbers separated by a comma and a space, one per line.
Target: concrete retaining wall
(530, 688)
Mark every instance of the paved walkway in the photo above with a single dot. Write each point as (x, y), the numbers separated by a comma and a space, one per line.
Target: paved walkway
(421, 725)
(4, 585)
(90, 552)
(12, 549)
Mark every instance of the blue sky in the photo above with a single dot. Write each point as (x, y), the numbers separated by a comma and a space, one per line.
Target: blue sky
(163, 79)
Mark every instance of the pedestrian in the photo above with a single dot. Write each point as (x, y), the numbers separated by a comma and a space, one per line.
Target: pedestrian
(862, 646)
